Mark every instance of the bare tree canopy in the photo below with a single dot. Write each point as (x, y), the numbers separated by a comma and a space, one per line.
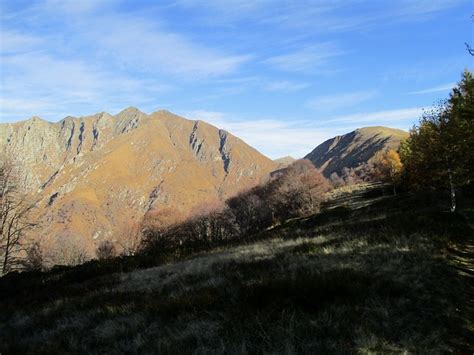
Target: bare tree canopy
(15, 211)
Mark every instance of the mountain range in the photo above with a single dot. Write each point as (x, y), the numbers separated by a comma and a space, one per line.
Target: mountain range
(94, 176)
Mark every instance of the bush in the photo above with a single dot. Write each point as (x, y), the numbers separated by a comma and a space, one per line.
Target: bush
(106, 250)
(34, 258)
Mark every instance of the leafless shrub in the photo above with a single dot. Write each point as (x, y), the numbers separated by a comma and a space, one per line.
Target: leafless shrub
(296, 191)
(129, 239)
(34, 258)
(67, 249)
(106, 250)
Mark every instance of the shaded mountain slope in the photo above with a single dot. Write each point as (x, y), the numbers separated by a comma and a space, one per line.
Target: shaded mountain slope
(355, 148)
(95, 175)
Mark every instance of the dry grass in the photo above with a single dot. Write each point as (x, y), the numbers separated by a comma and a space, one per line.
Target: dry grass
(368, 280)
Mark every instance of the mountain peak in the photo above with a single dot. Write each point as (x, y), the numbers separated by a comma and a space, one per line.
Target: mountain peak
(354, 148)
(382, 130)
(35, 119)
(129, 112)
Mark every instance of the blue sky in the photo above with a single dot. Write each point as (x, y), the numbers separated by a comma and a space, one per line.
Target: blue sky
(282, 75)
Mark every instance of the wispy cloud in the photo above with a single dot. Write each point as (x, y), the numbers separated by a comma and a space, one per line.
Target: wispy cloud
(110, 61)
(439, 88)
(420, 9)
(76, 57)
(40, 84)
(331, 102)
(12, 42)
(397, 117)
(322, 16)
(284, 85)
(309, 59)
(137, 43)
(316, 16)
(75, 7)
(274, 138)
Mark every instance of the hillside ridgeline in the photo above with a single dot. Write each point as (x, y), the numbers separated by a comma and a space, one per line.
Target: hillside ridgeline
(354, 149)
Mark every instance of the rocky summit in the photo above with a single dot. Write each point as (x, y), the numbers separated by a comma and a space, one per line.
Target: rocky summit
(93, 176)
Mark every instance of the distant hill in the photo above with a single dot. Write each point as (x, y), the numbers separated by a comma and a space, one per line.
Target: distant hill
(283, 162)
(94, 175)
(355, 148)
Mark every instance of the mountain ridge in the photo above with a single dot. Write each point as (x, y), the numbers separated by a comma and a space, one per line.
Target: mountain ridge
(352, 149)
(94, 174)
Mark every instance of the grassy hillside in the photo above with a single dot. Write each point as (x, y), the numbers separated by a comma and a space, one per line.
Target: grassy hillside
(355, 148)
(372, 272)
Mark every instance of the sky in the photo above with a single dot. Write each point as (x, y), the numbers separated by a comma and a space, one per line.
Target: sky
(284, 75)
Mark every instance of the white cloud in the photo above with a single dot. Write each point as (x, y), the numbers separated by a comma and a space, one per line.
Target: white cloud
(129, 40)
(439, 88)
(309, 59)
(39, 84)
(136, 43)
(331, 102)
(274, 138)
(111, 61)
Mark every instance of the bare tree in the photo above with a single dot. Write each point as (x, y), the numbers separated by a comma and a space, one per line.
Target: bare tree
(34, 258)
(469, 49)
(15, 212)
(67, 249)
(130, 238)
(106, 250)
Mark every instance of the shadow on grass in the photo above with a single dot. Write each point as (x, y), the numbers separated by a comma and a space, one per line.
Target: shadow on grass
(339, 302)
(385, 286)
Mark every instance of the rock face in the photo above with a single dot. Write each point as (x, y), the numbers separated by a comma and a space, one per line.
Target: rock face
(355, 148)
(92, 175)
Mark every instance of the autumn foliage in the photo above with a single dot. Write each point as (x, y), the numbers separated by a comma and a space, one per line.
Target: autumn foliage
(388, 167)
(439, 153)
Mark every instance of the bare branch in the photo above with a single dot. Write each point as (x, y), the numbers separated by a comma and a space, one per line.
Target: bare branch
(469, 49)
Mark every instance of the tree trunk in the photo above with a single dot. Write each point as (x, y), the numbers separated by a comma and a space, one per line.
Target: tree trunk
(5, 258)
(452, 191)
(392, 179)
